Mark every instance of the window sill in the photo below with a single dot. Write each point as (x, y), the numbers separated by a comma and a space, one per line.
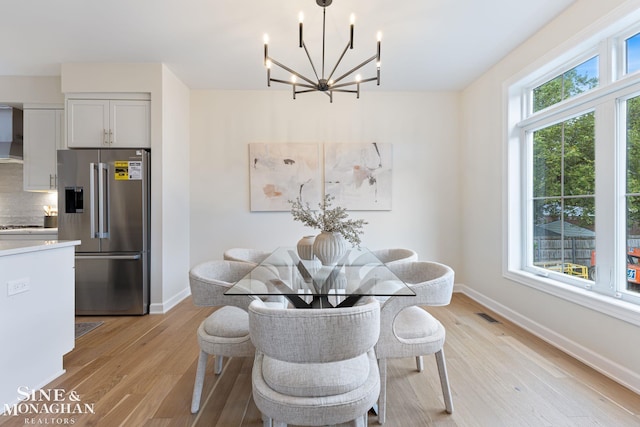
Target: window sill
(604, 304)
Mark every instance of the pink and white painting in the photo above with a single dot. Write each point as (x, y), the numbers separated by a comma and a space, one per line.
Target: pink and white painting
(283, 172)
(359, 175)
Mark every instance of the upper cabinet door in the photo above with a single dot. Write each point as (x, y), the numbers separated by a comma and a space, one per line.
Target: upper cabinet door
(87, 123)
(130, 124)
(112, 123)
(42, 136)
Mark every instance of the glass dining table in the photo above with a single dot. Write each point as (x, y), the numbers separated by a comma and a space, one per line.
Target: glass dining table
(309, 284)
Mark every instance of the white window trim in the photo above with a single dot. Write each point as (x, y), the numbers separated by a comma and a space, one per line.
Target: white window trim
(516, 106)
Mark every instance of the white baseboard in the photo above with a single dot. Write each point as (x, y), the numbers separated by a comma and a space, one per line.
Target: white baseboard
(607, 367)
(165, 306)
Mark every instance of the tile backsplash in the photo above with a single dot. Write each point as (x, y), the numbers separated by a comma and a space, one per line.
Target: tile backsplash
(19, 207)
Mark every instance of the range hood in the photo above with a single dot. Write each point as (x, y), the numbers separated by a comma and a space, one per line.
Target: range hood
(10, 135)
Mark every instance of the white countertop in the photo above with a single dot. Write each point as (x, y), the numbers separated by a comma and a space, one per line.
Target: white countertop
(12, 247)
(30, 231)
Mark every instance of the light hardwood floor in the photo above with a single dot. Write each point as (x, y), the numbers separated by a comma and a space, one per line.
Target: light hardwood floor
(139, 371)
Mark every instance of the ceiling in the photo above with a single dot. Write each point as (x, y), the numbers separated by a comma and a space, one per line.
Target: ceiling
(218, 44)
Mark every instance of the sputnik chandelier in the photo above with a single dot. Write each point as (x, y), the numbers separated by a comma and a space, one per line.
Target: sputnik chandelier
(322, 83)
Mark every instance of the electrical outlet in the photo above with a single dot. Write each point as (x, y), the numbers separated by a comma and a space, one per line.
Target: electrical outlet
(18, 286)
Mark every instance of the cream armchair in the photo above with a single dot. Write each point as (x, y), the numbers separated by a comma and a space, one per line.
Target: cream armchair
(392, 256)
(408, 330)
(254, 256)
(315, 366)
(225, 333)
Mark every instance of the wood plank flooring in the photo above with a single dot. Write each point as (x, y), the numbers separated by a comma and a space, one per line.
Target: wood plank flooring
(139, 371)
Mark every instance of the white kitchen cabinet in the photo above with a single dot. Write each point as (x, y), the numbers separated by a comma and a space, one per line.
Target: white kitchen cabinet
(43, 136)
(108, 123)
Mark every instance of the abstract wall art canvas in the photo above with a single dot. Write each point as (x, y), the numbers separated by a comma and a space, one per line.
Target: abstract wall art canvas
(282, 172)
(359, 175)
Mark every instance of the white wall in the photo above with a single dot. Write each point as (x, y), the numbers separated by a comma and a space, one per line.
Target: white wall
(423, 128)
(174, 153)
(26, 90)
(599, 340)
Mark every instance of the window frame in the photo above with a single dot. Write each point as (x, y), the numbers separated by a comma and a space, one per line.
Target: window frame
(607, 101)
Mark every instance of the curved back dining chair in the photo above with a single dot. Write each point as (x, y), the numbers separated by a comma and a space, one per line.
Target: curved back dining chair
(395, 255)
(254, 256)
(315, 366)
(226, 331)
(408, 330)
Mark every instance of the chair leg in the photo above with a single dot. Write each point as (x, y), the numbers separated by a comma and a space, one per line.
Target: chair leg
(419, 364)
(266, 421)
(199, 382)
(444, 381)
(360, 421)
(218, 364)
(382, 399)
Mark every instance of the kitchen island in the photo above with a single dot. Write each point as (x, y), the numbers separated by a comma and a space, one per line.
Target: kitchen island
(36, 313)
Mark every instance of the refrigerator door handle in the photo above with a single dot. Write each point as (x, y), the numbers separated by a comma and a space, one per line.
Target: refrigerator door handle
(103, 201)
(92, 200)
(121, 257)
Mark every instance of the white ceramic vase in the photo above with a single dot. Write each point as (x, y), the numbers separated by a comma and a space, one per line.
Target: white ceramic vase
(329, 247)
(305, 247)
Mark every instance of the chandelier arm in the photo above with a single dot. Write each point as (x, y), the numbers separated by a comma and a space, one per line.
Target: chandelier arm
(340, 59)
(371, 79)
(295, 73)
(287, 82)
(310, 60)
(355, 68)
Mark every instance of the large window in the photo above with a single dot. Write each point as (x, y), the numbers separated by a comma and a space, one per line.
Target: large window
(573, 183)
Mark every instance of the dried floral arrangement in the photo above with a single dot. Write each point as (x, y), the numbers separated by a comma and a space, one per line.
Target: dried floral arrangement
(333, 220)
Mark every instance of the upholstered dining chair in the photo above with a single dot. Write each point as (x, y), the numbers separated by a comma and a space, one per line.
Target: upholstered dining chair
(408, 330)
(254, 256)
(395, 255)
(315, 366)
(226, 331)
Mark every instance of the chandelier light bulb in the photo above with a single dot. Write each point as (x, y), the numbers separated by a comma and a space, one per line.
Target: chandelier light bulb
(358, 78)
(379, 36)
(293, 79)
(353, 21)
(268, 64)
(301, 18)
(266, 47)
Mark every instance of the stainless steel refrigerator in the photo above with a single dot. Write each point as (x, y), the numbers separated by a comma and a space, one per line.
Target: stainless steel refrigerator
(103, 201)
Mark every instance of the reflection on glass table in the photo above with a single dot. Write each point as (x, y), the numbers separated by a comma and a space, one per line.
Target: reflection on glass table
(309, 284)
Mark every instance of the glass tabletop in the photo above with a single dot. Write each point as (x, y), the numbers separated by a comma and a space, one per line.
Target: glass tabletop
(308, 283)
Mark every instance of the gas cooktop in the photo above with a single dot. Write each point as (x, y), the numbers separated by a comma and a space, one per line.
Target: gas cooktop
(17, 227)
